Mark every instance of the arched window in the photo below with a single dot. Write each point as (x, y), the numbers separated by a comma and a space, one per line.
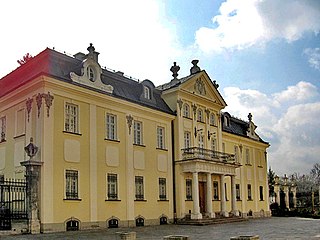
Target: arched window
(163, 220)
(113, 223)
(139, 222)
(212, 119)
(200, 116)
(146, 92)
(90, 74)
(186, 110)
(72, 225)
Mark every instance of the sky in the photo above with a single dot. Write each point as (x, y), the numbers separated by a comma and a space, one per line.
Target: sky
(264, 54)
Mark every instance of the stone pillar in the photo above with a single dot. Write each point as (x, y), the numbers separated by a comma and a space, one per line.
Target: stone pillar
(195, 195)
(209, 196)
(234, 210)
(294, 195)
(286, 192)
(33, 168)
(223, 197)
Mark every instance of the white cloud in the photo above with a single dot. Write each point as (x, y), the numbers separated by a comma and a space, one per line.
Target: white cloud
(313, 55)
(128, 34)
(242, 24)
(289, 120)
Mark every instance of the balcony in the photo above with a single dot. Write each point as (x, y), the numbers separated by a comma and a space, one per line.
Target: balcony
(197, 159)
(196, 153)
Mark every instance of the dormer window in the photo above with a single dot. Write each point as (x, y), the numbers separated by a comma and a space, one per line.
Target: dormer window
(146, 92)
(226, 121)
(90, 74)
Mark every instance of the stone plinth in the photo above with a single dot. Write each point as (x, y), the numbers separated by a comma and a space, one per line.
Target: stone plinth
(255, 237)
(176, 237)
(126, 235)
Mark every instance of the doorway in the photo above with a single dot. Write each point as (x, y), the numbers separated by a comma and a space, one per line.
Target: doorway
(202, 196)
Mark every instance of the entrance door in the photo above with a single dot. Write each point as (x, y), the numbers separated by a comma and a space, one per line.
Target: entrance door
(202, 196)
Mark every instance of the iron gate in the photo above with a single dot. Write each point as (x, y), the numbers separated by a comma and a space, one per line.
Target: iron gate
(12, 201)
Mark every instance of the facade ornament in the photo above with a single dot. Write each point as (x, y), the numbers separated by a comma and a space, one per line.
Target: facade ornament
(207, 111)
(215, 84)
(194, 69)
(129, 122)
(39, 102)
(29, 106)
(48, 100)
(251, 129)
(31, 149)
(180, 103)
(175, 69)
(200, 87)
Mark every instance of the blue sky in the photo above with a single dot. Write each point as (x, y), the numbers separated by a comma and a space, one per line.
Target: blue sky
(264, 54)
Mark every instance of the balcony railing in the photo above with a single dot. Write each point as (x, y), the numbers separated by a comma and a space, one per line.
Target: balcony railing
(196, 153)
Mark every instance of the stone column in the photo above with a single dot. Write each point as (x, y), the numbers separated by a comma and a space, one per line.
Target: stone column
(195, 195)
(223, 197)
(277, 190)
(294, 195)
(210, 213)
(234, 210)
(286, 192)
(33, 181)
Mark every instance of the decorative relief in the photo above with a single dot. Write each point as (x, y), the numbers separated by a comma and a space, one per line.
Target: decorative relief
(194, 108)
(48, 100)
(29, 106)
(180, 103)
(39, 102)
(200, 87)
(129, 122)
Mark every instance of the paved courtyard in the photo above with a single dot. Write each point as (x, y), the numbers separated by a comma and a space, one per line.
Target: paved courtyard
(269, 228)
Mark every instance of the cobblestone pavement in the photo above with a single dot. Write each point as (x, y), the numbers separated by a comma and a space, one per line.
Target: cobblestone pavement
(269, 228)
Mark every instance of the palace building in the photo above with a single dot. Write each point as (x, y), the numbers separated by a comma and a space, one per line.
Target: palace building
(103, 150)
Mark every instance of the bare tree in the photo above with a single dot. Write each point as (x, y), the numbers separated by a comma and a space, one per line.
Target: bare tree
(315, 174)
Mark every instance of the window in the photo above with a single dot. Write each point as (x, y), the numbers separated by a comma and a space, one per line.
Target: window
(186, 110)
(160, 137)
(248, 156)
(249, 192)
(261, 193)
(112, 186)
(201, 141)
(188, 189)
(20, 123)
(72, 184)
(71, 118)
(200, 116)
(2, 129)
(226, 121)
(226, 192)
(212, 119)
(213, 147)
(146, 92)
(72, 225)
(111, 127)
(90, 74)
(137, 133)
(215, 190)
(238, 192)
(162, 189)
(236, 153)
(187, 139)
(139, 188)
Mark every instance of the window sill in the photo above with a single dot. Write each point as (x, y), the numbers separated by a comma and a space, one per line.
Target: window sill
(212, 125)
(250, 200)
(216, 200)
(248, 164)
(18, 136)
(3, 141)
(239, 200)
(200, 121)
(261, 200)
(139, 145)
(113, 200)
(72, 199)
(112, 140)
(73, 133)
(163, 200)
(187, 117)
(189, 200)
(260, 166)
(140, 200)
(162, 149)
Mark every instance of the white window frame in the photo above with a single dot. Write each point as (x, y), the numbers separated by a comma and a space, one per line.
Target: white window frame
(91, 74)
(111, 126)
(137, 133)
(112, 187)
(247, 152)
(238, 192)
(189, 189)
(17, 124)
(139, 187)
(146, 92)
(186, 110)
(160, 137)
(187, 139)
(68, 185)
(200, 115)
(162, 188)
(215, 190)
(236, 153)
(71, 118)
(249, 191)
(212, 119)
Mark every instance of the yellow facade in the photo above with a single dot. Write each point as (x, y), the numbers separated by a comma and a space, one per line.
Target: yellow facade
(111, 157)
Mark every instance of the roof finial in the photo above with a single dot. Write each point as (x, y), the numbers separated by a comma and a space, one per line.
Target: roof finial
(250, 117)
(175, 69)
(91, 48)
(194, 69)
